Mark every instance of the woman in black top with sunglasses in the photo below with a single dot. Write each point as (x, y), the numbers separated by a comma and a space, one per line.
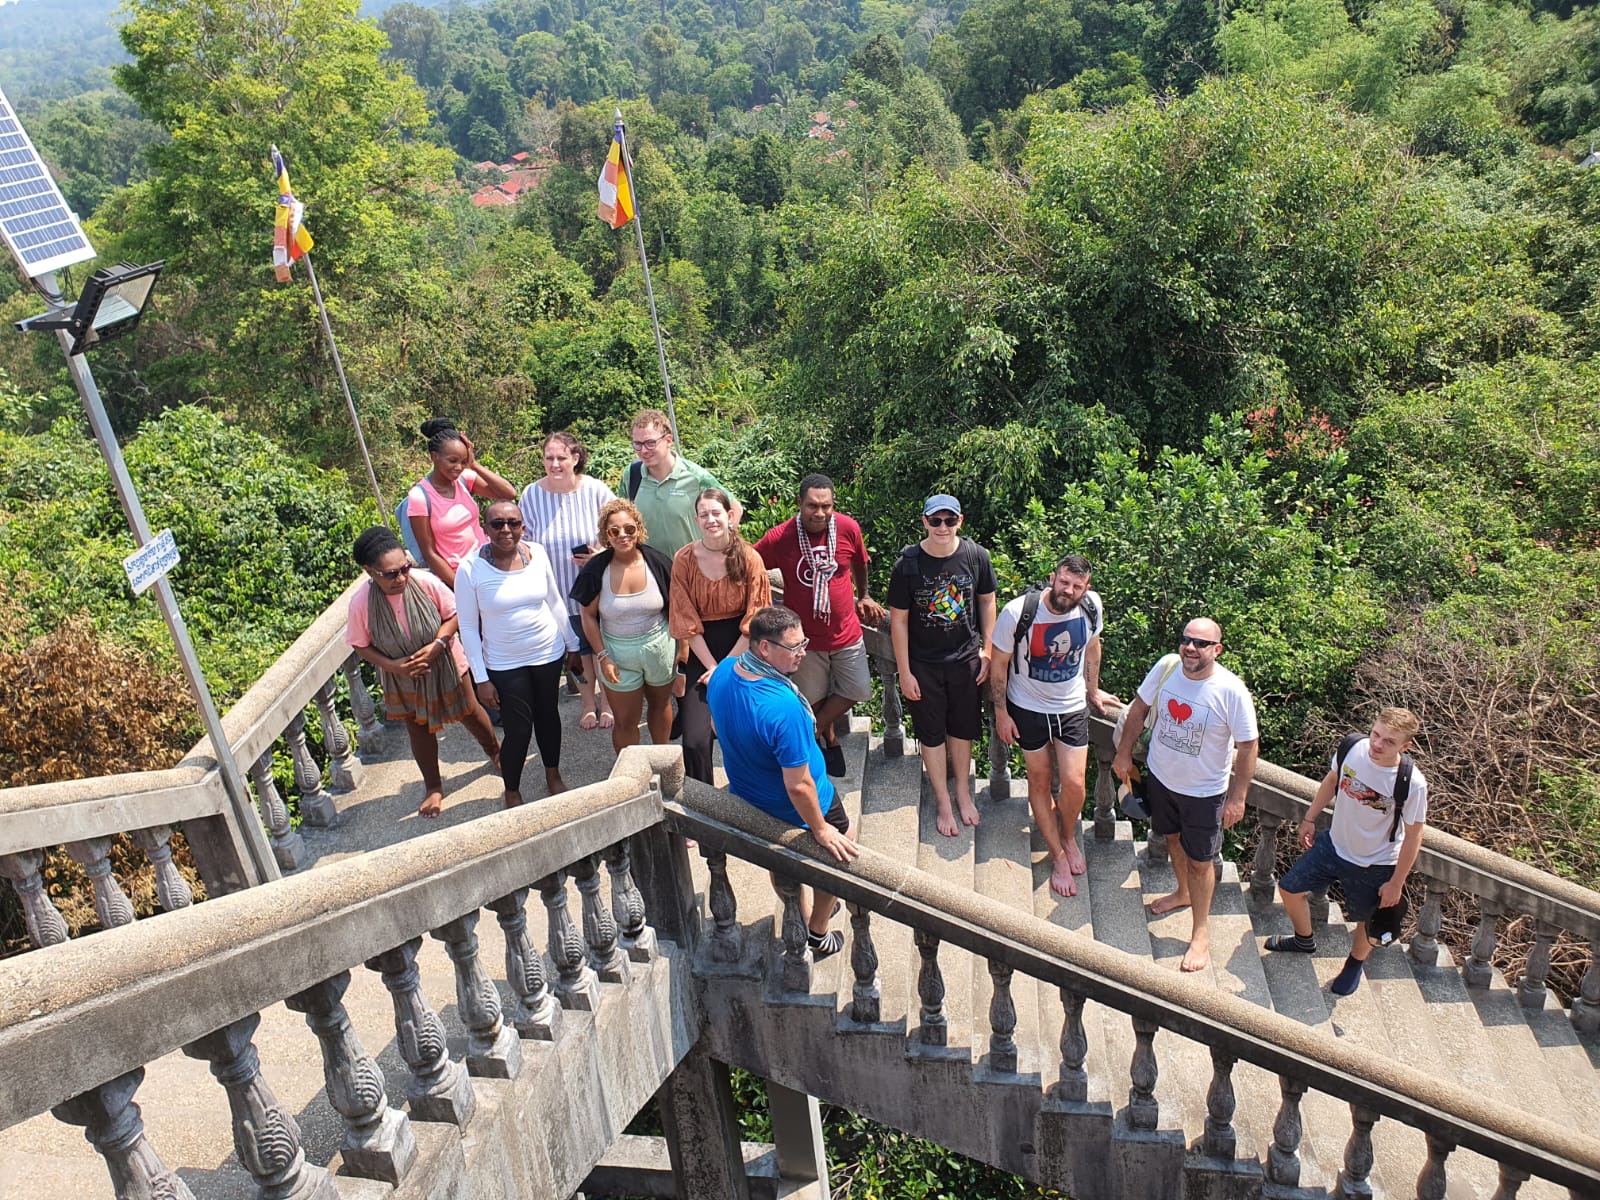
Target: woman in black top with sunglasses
(404, 624)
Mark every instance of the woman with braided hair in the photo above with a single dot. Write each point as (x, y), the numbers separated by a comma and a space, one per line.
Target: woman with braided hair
(440, 506)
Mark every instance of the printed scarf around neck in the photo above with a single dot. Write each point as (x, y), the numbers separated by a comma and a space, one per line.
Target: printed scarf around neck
(422, 618)
(762, 669)
(823, 564)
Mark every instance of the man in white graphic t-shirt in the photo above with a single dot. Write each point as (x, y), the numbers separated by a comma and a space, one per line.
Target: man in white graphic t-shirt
(1364, 851)
(1204, 717)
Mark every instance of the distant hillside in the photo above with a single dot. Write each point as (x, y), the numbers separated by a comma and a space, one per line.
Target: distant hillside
(55, 48)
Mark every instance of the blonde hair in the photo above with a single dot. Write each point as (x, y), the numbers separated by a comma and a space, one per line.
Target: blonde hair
(627, 509)
(1401, 722)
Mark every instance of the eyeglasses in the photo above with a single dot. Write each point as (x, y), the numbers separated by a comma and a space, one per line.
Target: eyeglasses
(794, 649)
(622, 530)
(505, 522)
(1197, 643)
(935, 522)
(397, 573)
(647, 443)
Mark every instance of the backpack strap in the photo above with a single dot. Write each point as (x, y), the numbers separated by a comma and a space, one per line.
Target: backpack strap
(634, 479)
(1402, 790)
(1030, 610)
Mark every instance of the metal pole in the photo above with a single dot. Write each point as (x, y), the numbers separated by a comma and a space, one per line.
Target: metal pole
(644, 261)
(349, 403)
(244, 811)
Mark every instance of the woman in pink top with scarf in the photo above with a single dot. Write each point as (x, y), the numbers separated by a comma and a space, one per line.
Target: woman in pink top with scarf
(444, 516)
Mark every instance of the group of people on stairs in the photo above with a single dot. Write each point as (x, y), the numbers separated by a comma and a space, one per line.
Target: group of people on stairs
(655, 595)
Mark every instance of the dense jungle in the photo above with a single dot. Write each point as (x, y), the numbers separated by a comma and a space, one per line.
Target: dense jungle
(1283, 311)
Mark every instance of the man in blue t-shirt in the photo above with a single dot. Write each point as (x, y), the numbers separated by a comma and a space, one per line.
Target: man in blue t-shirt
(771, 754)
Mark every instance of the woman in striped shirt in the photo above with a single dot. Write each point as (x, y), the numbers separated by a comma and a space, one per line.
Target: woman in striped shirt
(561, 512)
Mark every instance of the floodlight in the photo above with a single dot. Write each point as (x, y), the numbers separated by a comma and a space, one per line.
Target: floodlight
(110, 305)
(39, 229)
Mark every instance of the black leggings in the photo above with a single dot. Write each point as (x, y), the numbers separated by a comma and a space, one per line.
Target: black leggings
(721, 636)
(530, 699)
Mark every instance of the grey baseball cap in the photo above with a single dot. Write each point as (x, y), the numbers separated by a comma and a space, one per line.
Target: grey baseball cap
(941, 503)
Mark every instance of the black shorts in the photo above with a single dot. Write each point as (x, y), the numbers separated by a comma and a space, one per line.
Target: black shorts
(837, 817)
(950, 705)
(1197, 820)
(1035, 730)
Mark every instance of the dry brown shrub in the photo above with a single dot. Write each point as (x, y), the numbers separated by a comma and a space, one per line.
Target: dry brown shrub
(1509, 699)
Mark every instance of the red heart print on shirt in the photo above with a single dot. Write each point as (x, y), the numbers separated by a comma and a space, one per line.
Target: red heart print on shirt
(1180, 712)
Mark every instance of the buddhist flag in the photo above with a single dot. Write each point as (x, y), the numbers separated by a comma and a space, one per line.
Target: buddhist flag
(616, 197)
(290, 239)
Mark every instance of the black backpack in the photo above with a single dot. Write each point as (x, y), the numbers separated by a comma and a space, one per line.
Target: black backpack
(1030, 609)
(1402, 779)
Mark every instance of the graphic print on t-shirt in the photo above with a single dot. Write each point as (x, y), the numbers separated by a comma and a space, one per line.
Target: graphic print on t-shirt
(1180, 728)
(1350, 785)
(1055, 650)
(943, 600)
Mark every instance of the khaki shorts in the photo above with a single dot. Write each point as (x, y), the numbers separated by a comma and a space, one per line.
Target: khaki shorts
(842, 672)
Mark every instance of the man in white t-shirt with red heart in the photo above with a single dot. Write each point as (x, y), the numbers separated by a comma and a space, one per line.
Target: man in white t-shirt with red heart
(1204, 719)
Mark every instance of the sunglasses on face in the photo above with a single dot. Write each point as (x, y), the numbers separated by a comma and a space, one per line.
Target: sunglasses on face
(1197, 643)
(938, 521)
(622, 530)
(397, 573)
(505, 522)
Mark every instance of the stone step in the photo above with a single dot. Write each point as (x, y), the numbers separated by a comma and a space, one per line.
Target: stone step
(952, 860)
(1001, 872)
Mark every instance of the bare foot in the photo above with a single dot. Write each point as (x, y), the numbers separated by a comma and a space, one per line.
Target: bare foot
(554, 785)
(946, 820)
(969, 810)
(432, 804)
(1169, 903)
(1061, 881)
(606, 719)
(512, 799)
(1075, 861)
(1198, 956)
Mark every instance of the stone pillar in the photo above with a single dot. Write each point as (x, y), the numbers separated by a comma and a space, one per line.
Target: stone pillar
(111, 1122)
(702, 1128)
(1105, 790)
(1264, 871)
(1478, 970)
(660, 862)
(1586, 1004)
(344, 769)
(894, 728)
(493, 1049)
(439, 1089)
(46, 927)
(111, 905)
(288, 847)
(316, 806)
(535, 1013)
(999, 758)
(369, 729)
(797, 1133)
(171, 888)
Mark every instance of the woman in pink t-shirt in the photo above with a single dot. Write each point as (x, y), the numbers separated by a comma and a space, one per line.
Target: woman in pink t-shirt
(444, 516)
(404, 623)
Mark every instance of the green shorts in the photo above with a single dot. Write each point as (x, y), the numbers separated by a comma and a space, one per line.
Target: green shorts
(647, 659)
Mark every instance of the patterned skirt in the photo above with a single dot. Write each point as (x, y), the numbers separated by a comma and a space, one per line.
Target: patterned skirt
(405, 699)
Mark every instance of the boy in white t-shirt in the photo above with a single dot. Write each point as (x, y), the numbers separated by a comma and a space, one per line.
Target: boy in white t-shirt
(1364, 850)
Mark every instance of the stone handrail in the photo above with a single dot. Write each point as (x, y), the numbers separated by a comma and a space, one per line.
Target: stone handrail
(1154, 998)
(1500, 885)
(79, 1020)
(83, 814)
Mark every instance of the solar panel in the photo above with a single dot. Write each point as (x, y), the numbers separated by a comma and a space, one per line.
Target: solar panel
(38, 227)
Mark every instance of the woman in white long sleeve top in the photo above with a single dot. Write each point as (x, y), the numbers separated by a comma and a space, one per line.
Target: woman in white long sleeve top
(515, 631)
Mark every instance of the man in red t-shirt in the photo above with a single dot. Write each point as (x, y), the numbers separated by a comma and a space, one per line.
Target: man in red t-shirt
(824, 566)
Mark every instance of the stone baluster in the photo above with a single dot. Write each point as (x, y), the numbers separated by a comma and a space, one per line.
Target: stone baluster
(1431, 1180)
(378, 1141)
(1586, 1004)
(1479, 967)
(1002, 1019)
(1354, 1176)
(1319, 908)
(576, 984)
(493, 1050)
(599, 926)
(316, 805)
(22, 869)
(727, 936)
(627, 907)
(369, 729)
(894, 725)
(265, 1135)
(866, 998)
(1511, 1181)
(999, 759)
(1155, 851)
(344, 769)
(1105, 791)
(796, 972)
(1531, 987)
(1220, 1139)
(288, 847)
(440, 1090)
(1144, 1112)
(1425, 945)
(935, 1028)
(1264, 871)
(113, 1126)
(536, 1013)
(1073, 1084)
(111, 904)
(172, 889)
(1283, 1157)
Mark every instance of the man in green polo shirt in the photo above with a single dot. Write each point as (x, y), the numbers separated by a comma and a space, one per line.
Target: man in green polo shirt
(667, 485)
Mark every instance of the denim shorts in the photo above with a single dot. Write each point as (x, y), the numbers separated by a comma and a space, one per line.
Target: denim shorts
(577, 628)
(1321, 865)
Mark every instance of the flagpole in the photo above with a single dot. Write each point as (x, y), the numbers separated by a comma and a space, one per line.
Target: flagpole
(644, 261)
(349, 402)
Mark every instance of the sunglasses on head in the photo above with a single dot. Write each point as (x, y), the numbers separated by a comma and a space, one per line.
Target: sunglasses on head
(1197, 643)
(622, 530)
(397, 573)
(505, 522)
(938, 521)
